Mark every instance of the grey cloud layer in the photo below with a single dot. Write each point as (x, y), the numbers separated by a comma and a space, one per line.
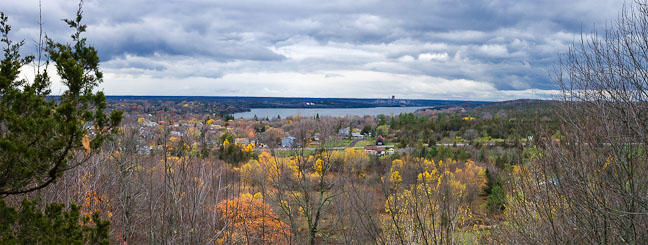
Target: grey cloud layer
(505, 45)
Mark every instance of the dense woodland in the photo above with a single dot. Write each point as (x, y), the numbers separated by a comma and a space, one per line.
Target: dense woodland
(573, 170)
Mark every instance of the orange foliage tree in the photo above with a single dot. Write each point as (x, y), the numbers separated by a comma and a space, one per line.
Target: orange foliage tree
(251, 221)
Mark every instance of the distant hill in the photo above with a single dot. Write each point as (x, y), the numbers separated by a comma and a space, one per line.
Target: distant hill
(295, 102)
(521, 104)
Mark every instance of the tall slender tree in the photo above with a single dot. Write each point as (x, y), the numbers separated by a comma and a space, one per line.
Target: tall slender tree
(39, 133)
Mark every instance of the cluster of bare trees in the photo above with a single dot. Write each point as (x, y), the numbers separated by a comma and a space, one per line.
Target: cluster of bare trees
(148, 198)
(591, 185)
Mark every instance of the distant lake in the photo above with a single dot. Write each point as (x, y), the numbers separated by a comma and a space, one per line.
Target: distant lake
(330, 112)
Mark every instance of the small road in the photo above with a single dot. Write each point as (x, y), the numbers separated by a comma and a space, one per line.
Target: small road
(313, 148)
(352, 144)
(308, 148)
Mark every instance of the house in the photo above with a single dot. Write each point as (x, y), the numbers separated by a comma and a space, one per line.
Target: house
(87, 125)
(288, 141)
(356, 136)
(552, 181)
(390, 151)
(144, 149)
(148, 123)
(375, 150)
(243, 141)
(380, 140)
(367, 135)
(344, 133)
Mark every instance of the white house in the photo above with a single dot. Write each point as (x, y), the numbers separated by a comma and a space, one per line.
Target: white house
(288, 141)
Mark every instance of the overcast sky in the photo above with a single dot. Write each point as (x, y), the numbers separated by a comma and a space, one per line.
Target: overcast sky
(439, 49)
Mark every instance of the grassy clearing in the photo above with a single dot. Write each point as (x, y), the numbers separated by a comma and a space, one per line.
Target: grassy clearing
(365, 143)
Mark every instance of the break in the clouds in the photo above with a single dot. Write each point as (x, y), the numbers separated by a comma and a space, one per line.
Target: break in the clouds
(438, 49)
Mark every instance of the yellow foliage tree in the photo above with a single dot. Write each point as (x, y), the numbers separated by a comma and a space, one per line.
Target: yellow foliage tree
(431, 208)
(474, 177)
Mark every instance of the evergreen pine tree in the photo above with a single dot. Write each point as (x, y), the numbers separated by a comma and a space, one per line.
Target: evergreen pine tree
(39, 134)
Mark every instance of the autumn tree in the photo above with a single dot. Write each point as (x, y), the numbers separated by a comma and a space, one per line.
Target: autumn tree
(302, 185)
(272, 138)
(232, 152)
(430, 201)
(249, 220)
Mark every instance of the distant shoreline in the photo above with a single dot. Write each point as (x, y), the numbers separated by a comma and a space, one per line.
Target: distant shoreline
(229, 105)
(324, 112)
(299, 102)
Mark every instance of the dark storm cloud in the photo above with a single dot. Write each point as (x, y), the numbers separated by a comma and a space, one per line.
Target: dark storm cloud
(506, 45)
